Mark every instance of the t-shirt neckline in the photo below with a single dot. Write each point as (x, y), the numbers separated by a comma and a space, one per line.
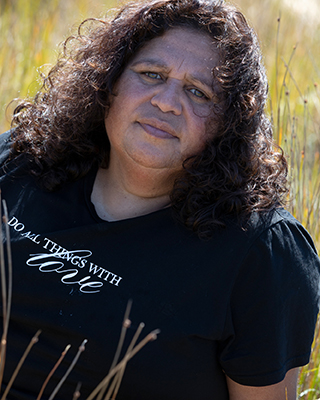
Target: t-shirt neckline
(87, 190)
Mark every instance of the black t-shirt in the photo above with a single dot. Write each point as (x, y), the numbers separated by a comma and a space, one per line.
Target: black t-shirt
(244, 303)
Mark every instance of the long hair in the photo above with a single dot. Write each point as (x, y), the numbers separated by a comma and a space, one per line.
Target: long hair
(241, 170)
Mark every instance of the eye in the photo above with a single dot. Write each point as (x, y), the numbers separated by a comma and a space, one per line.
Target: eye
(197, 93)
(152, 75)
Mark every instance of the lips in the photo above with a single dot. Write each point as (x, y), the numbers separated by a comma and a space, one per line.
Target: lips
(158, 129)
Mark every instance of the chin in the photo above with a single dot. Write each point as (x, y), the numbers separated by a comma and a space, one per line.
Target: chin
(156, 160)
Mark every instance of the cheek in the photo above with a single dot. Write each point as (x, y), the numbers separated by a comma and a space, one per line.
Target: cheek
(197, 137)
(109, 123)
(207, 127)
(112, 126)
(195, 144)
(114, 116)
(200, 130)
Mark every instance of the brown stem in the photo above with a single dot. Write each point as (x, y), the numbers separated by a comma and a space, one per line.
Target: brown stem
(33, 341)
(151, 336)
(52, 371)
(81, 349)
(6, 291)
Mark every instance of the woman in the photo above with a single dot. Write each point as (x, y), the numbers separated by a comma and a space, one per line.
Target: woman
(145, 169)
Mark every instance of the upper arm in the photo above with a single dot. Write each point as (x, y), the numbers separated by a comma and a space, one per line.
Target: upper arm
(273, 308)
(284, 390)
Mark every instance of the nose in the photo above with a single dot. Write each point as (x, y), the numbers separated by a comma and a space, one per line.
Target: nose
(168, 98)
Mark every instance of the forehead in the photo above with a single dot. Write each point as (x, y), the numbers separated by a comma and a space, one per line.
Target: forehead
(181, 47)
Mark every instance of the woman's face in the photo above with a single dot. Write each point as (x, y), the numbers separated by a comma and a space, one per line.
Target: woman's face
(163, 100)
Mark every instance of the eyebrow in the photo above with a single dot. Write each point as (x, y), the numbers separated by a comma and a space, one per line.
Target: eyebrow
(195, 78)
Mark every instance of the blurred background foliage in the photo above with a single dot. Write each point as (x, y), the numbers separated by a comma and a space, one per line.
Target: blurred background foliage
(30, 32)
(289, 32)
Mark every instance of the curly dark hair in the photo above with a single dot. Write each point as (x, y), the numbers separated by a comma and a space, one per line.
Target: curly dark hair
(241, 169)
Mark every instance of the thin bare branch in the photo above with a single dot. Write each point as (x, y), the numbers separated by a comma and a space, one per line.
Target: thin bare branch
(52, 371)
(150, 337)
(3, 344)
(125, 325)
(121, 372)
(77, 393)
(6, 288)
(33, 341)
(57, 388)
(9, 259)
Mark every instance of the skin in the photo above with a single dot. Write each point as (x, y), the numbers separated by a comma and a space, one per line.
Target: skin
(284, 390)
(156, 120)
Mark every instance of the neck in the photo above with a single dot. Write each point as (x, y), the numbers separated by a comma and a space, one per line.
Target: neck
(131, 193)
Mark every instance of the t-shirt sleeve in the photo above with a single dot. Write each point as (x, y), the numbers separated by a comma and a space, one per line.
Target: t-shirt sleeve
(5, 144)
(273, 308)
(11, 167)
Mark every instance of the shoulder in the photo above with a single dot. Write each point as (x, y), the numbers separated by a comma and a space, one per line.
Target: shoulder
(260, 222)
(5, 146)
(291, 235)
(274, 301)
(12, 165)
(276, 230)
(275, 225)
(279, 247)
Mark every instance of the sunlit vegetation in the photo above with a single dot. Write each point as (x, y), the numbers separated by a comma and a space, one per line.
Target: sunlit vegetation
(289, 32)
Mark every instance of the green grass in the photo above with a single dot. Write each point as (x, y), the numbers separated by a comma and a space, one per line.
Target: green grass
(30, 31)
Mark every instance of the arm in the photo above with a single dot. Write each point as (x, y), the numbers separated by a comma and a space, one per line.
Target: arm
(284, 390)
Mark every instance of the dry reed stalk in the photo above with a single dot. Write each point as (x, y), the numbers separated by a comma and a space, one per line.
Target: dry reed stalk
(121, 372)
(4, 306)
(77, 393)
(114, 387)
(33, 341)
(52, 371)
(150, 337)
(116, 370)
(80, 350)
(6, 291)
(125, 325)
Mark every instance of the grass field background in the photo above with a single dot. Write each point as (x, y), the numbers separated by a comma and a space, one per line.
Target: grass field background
(289, 32)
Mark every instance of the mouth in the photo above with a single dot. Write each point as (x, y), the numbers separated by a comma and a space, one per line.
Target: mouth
(158, 129)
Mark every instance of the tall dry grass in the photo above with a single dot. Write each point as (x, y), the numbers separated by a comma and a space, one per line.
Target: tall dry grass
(30, 32)
(290, 35)
(289, 32)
